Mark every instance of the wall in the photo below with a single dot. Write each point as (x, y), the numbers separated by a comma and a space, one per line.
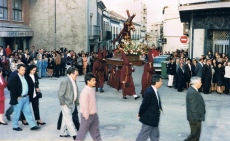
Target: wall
(70, 21)
(172, 28)
(198, 47)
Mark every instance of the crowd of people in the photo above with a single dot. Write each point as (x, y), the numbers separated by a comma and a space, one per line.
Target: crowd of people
(213, 69)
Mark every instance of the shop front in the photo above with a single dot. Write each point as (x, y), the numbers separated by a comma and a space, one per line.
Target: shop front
(16, 38)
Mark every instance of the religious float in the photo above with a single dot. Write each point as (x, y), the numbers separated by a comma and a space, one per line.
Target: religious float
(133, 51)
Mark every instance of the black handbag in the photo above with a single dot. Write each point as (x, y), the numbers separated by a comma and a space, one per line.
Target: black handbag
(39, 95)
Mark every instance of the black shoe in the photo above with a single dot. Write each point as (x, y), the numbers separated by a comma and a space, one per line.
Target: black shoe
(17, 129)
(124, 97)
(67, 136)
(137, 97)
(43, 123)
(96, 90)
(101, 91)
(35, 128)
(227, 93)
(39, 78)
(25, 123)
(74, 137)
(8, 118)
(3, 123)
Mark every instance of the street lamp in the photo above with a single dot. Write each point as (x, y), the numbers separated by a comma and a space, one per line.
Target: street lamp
(55, 26)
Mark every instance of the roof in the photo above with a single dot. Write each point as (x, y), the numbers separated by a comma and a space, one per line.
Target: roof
(117, 16)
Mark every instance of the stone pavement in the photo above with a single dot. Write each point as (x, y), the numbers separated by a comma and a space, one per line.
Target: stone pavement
(118, 117)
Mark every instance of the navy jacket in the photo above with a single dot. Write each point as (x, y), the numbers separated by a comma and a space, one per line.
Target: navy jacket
(149, 110)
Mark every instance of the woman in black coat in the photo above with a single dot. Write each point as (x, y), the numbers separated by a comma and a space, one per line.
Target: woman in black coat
(219, 74)
(33, 84)
(180, 76)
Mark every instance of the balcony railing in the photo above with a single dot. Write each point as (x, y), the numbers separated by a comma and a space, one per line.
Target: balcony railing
(191, 2)
(94, 32)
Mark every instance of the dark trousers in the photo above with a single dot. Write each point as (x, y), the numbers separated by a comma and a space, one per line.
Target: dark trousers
(35, 106)
(227, 85)
(195, 131)
(79, 67)
(9, 111)
(207, 84)
(175, 81)
(92, 125)
(57, 70)
(62, 69)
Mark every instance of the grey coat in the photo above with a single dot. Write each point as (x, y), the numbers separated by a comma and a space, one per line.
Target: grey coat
(66, 93)
(195, 105)
(199, 70)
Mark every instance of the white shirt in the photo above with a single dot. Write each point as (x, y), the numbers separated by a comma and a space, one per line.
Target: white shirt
(33, 78)
(1, 80)
(155, 90)
(74, 88)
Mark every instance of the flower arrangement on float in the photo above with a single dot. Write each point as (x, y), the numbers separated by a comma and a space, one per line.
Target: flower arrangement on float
(130, 48)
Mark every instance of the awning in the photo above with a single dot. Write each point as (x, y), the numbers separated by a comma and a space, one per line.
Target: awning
(16, 32)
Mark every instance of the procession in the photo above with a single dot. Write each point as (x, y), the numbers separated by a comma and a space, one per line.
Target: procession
(117, 74)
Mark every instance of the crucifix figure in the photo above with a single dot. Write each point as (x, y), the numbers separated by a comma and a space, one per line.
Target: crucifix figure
(125, 32)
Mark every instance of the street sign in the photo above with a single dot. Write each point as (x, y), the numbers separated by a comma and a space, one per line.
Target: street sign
(183, 39)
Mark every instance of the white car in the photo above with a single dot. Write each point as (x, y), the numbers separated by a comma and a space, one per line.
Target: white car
(157, 62)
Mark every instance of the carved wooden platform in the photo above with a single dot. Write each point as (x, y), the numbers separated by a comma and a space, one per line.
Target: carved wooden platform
(117, 60)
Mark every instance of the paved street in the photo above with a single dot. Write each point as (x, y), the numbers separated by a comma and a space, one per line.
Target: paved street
(118, 117)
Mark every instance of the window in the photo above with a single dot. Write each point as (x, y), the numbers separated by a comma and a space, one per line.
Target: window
(3, 9)
(17, 10)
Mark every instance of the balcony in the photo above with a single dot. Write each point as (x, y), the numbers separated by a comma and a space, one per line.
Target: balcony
(94, 32)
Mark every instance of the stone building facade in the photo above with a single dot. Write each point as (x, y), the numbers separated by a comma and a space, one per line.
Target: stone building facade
(71, 24)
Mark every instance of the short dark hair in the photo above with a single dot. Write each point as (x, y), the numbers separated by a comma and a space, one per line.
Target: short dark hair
(88, 77)
(20, 65)
(71, 70)
(155, 78)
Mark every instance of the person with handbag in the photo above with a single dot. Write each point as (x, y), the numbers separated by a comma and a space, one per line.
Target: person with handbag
(34, 93)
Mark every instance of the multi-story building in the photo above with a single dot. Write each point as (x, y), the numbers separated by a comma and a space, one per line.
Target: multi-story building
(156, 34)
(172, 29)
(106, 31)
(208, 24)
(59, 23)
(143, 20)
(14, 24)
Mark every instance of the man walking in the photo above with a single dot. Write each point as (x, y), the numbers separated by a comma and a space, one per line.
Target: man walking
(149, 112)
(20, 99)
(195, 108)
(68, 97)
(88, 109)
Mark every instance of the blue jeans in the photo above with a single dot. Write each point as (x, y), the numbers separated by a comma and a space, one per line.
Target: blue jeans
(24, 106)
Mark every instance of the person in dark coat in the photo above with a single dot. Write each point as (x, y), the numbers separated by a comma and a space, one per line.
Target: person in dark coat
(170, 72)
(219, 74)
(180, 76)
(63, 64)
(176, 66)
(147, 74)
(33, 84)
(207, 75)
(127, 79)
(195, 108)
(188, 72)
(199, 70)
(150, 110)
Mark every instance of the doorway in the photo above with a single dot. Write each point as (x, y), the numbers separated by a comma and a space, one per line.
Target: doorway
(221, 41)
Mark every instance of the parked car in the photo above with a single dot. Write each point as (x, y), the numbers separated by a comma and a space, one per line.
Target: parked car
(158, 60)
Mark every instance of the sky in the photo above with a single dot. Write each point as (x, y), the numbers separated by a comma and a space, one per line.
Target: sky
(154, 8)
